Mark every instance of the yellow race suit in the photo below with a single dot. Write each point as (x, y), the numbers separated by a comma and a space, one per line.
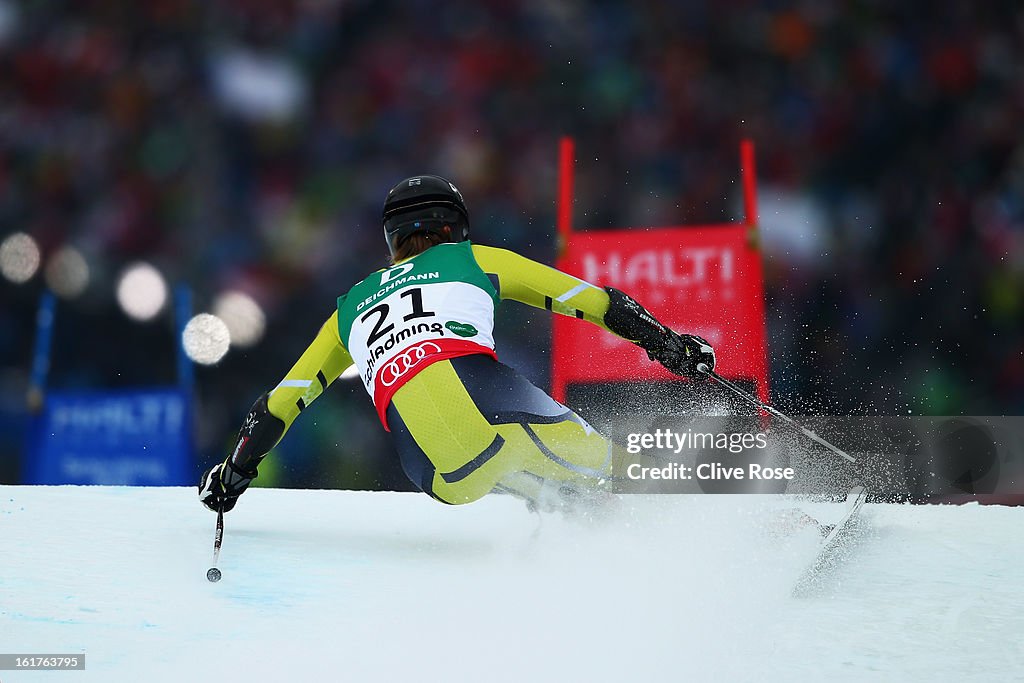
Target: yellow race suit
(463, 423)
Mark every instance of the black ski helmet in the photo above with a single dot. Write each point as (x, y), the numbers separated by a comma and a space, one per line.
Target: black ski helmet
(424, 203)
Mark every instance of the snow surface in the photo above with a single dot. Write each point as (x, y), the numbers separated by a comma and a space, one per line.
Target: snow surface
(344, 586)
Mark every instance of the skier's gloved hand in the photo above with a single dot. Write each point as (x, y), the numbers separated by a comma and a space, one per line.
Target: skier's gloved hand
(679, 353)
(683, 354)
(221, 486)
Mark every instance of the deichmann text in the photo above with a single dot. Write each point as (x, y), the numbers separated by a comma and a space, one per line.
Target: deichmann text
(390, 286)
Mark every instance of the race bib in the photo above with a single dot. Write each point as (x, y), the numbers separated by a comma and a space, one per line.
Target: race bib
(398, 321)
(407, 329)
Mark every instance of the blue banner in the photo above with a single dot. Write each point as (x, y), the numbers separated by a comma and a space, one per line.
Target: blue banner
(136, 437)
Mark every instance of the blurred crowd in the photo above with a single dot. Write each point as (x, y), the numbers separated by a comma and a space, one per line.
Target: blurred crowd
(248, 145)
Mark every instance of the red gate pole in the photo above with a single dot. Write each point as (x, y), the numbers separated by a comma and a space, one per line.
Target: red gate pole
(566, 159)
(748, 168)
(749, 173)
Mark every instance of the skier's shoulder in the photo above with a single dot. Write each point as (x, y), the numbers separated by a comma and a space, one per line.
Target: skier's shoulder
(360, 289)
(360, 283)
(491, 258)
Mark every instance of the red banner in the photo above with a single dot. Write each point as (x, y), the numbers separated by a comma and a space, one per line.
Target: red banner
(700, 280)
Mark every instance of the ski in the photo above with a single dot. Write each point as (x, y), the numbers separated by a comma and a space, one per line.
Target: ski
(831, 552)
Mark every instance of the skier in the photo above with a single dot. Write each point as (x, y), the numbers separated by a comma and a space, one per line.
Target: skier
(420, 334)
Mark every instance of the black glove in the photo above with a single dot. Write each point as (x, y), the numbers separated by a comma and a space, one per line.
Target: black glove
(683, 354)
(679, 353)
(221, 486)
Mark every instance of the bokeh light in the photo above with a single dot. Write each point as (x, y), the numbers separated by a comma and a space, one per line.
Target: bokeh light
(67, 273)
(206, 339)
(142, 291)
(19, 257)
(245, 319)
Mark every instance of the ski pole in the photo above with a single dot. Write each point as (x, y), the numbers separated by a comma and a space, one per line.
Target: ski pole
(702, 367)
(213, 574)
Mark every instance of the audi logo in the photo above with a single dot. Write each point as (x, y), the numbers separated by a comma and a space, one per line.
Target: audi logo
(395, 368)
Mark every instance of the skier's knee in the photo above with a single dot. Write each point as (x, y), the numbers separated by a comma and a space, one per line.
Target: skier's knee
(459, 495)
